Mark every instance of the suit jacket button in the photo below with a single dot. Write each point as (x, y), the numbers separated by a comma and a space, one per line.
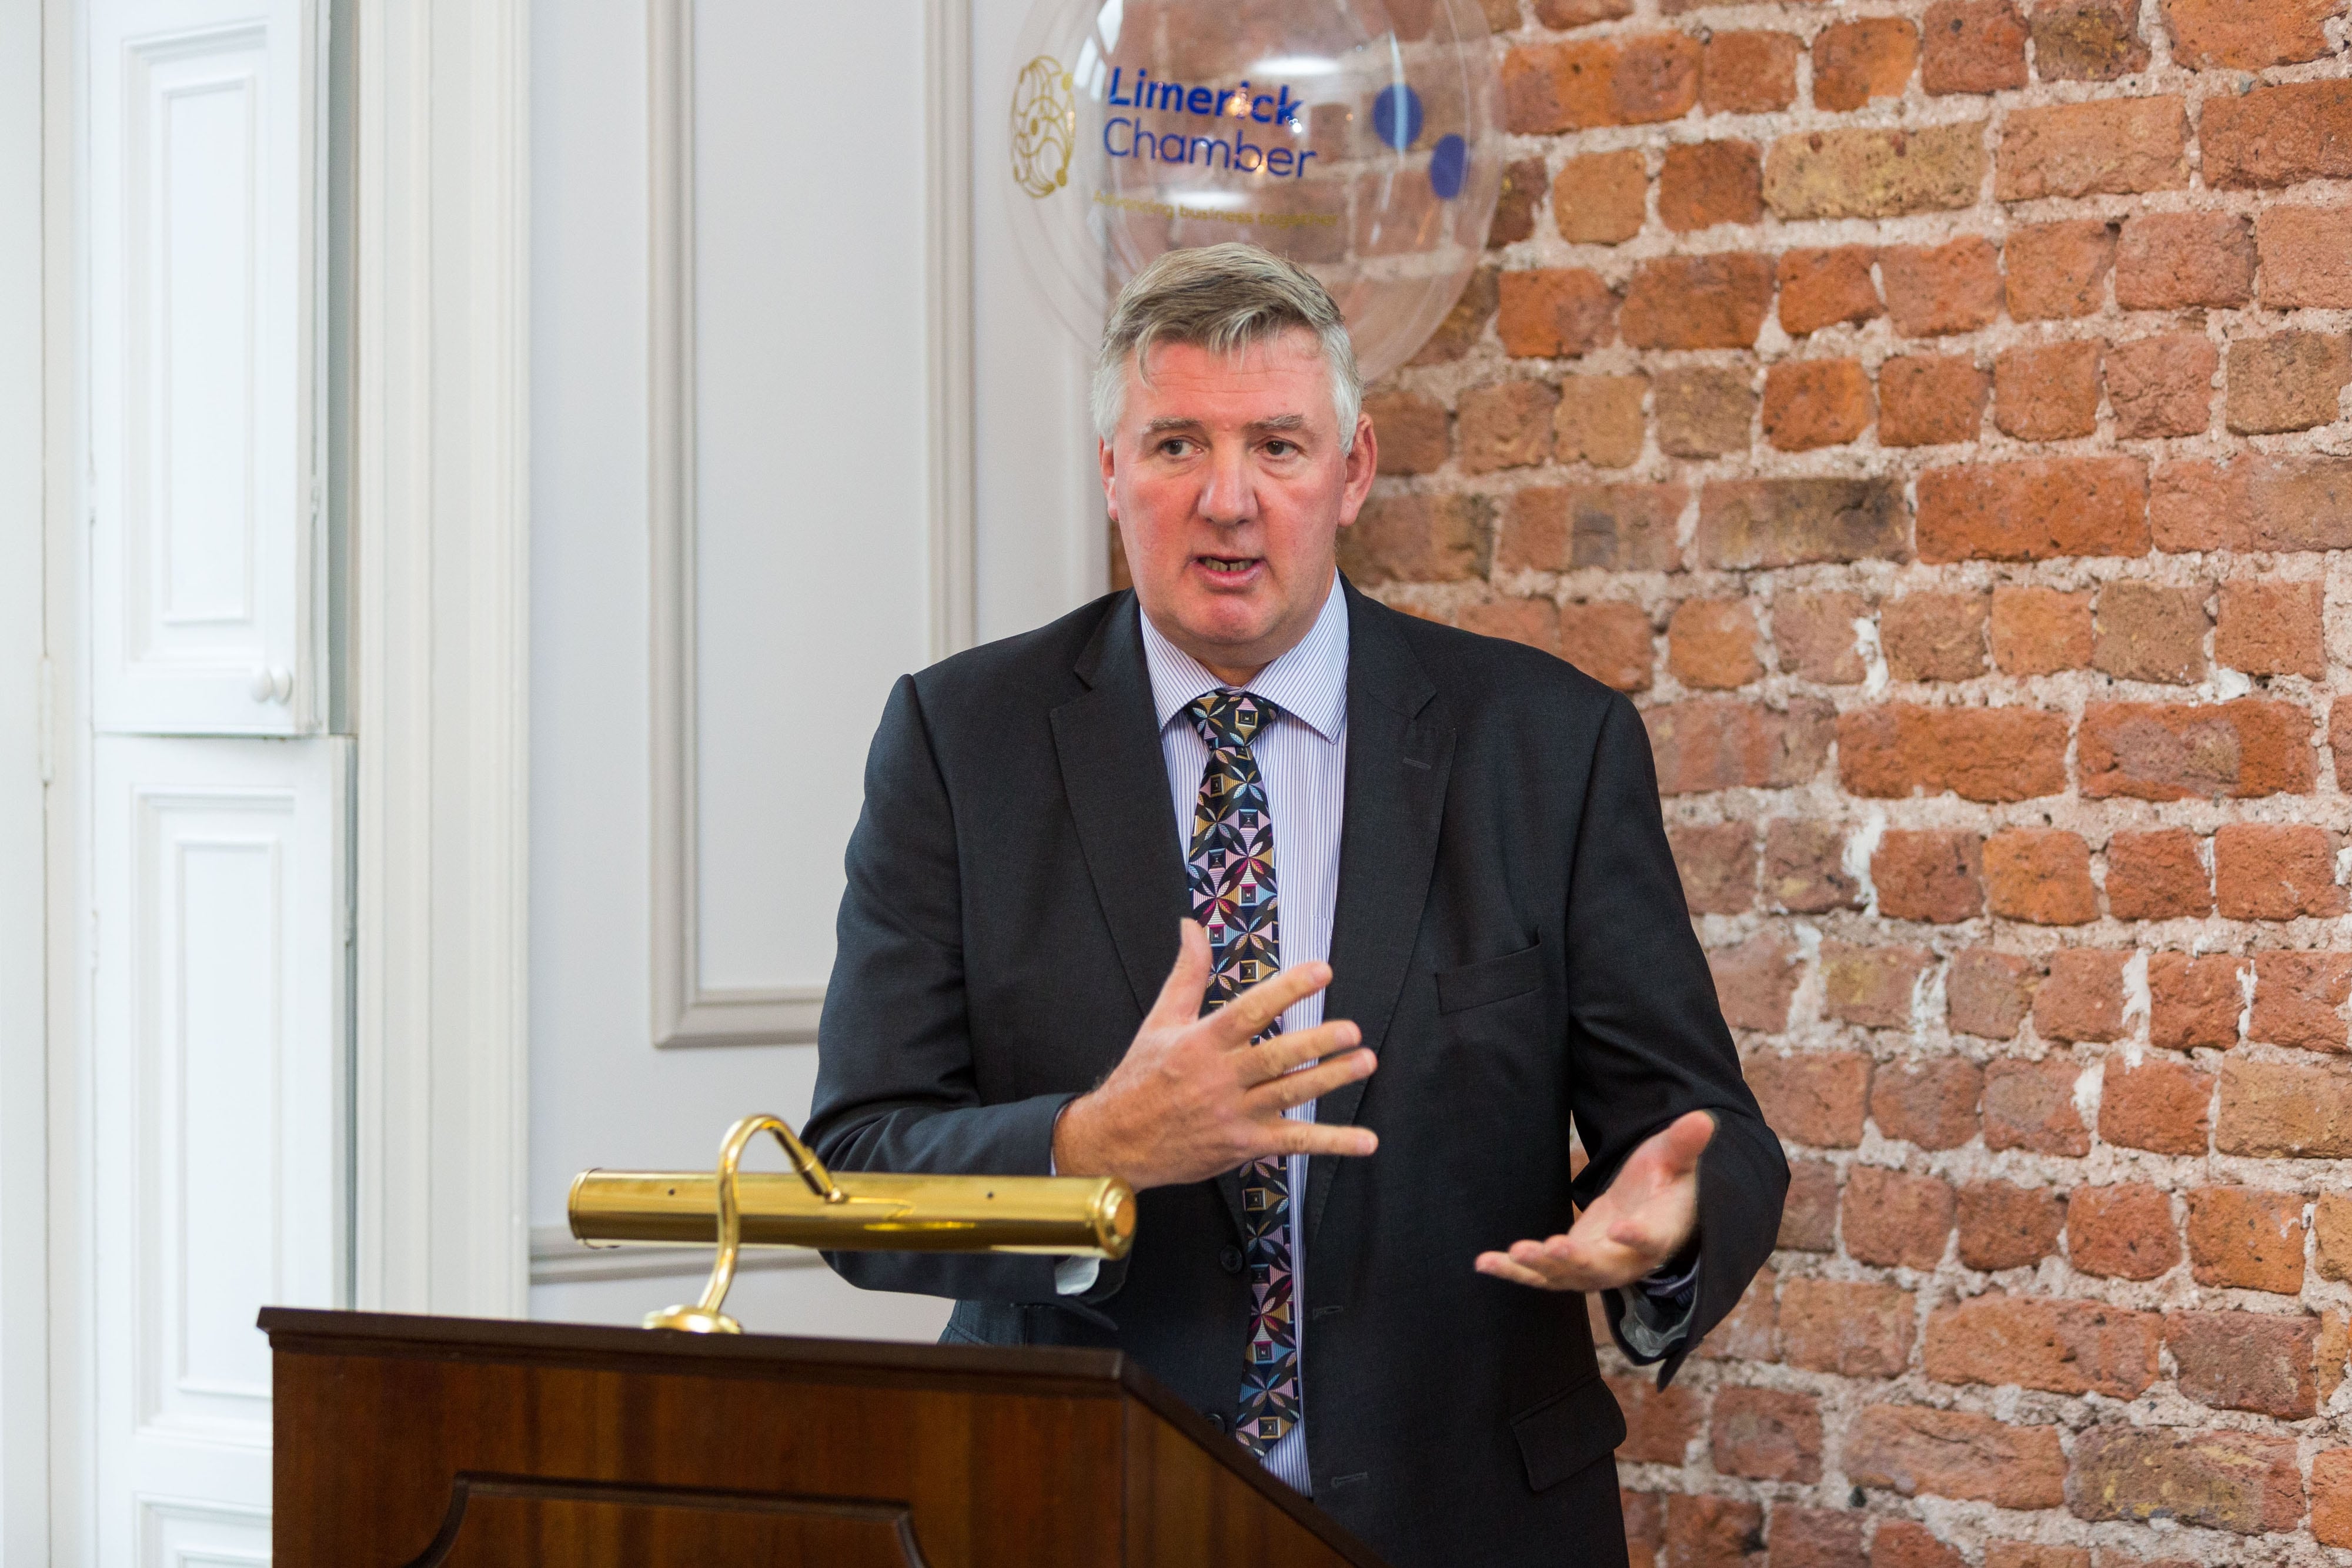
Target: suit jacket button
(1230, 1259)
(1214, 1419)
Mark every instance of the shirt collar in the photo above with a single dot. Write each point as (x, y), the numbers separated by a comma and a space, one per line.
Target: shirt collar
(1308, 682)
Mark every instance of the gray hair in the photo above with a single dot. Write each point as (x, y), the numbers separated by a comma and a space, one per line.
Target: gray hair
(1225, 298)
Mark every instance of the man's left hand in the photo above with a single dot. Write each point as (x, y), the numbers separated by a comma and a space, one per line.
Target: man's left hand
(1647, 1215)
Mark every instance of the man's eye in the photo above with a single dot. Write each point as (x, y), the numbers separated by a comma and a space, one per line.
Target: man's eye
(1280, 448)
(1175, 446)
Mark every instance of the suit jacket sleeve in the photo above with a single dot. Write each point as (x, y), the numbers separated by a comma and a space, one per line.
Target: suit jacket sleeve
(1651, 1043)
(895, 1085)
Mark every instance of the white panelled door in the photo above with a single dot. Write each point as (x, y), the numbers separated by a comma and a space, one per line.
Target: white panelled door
(215, 1147)
(203, 171)
(217, 1153)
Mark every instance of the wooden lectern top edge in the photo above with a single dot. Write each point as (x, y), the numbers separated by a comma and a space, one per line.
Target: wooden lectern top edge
(1036, 1369)
(301, 1330)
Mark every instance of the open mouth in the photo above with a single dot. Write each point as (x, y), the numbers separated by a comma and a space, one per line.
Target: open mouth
(1228, 567)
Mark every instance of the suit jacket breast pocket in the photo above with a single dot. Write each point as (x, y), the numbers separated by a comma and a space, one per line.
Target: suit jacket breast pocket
(1490, 981)
(1499, 1053)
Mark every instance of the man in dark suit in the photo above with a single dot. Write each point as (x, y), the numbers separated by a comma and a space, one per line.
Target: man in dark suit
(1321, 926)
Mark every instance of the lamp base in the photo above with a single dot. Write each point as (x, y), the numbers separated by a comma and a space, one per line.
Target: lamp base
(692, 1320)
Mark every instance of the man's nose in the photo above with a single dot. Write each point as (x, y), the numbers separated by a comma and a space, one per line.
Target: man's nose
(1229, 497)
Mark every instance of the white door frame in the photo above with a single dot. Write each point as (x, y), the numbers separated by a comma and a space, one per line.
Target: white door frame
(24, 1077)
(71, 1458)
(440, 655)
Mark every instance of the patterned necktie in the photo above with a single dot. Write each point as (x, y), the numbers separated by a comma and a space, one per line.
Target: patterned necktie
(1231, 875)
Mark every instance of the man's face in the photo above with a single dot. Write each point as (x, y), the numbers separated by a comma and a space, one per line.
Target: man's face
(1229, 485)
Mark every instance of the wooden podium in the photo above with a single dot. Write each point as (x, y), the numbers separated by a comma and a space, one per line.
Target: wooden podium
(414, 1442)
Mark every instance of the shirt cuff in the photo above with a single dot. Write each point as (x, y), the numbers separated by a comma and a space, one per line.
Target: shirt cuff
(1658, 1312)
(1665, 1282)
(1072, 1276)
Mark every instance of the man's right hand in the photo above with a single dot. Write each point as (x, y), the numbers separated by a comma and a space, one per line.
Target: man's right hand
(1193, 1098)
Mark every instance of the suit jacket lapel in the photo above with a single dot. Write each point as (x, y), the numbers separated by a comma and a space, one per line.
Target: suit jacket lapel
(1399, 756)
(1116, 781)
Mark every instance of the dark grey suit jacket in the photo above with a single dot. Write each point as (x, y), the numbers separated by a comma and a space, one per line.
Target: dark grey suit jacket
(1511, 937)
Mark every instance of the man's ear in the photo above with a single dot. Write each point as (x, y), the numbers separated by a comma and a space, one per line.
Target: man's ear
(1363, 463)
(1110, 461)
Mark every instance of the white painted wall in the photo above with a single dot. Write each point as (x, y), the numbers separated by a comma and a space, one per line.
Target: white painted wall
(23, 1316)
(1043, 539)
(810, 463)
(815, 591)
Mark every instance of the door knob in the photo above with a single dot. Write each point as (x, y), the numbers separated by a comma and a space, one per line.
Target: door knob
(271, 684)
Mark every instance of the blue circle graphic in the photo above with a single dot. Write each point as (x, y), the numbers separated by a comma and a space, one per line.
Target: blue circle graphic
(1396, 116)
(1449, 165)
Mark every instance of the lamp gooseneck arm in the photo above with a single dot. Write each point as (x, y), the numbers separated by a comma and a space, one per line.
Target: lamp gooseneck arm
(705, 1316)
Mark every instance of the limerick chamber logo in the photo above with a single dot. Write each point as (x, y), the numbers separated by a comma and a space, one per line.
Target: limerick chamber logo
(1044, 126)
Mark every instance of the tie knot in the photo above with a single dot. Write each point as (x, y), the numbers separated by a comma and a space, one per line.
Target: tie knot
(1228, 719)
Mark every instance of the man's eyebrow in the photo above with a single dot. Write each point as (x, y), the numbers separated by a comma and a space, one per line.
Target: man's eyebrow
(1286, 423)
(1182, 421)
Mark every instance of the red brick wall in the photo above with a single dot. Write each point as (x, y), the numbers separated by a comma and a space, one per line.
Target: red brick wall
(1932, 418)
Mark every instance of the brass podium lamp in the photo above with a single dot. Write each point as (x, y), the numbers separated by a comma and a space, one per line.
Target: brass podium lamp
(1073, 1216)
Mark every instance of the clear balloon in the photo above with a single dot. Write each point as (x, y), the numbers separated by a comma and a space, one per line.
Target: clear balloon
(1355, 137)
